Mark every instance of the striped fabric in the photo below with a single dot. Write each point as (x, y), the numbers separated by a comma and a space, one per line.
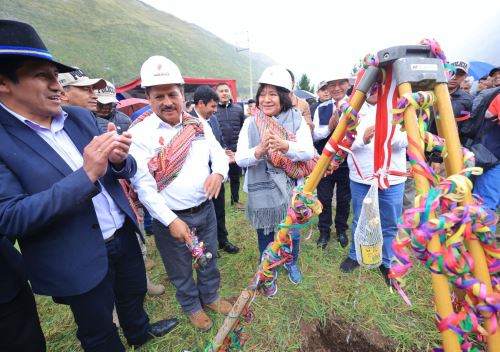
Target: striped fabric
(384, 129)
(166, 166)
(295, 170)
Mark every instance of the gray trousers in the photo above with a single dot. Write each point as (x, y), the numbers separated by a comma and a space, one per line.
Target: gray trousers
(177, 260)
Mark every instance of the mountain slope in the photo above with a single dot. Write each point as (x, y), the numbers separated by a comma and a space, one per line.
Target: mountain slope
(111, 39)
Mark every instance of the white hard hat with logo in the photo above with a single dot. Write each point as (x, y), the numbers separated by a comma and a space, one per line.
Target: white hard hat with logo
(158, 70)
(277, 76)
(339, 72)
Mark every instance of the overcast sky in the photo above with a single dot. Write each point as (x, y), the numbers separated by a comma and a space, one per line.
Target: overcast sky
(313, 36)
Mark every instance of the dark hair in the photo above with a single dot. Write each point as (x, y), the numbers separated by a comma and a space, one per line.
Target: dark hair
(205, 94)
(283, 94)
(484, 78)
(292, 76)
(221, 84)
(251, 101)
(9, 64)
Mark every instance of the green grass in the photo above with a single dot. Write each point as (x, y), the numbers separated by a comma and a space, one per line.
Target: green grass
(360, 297)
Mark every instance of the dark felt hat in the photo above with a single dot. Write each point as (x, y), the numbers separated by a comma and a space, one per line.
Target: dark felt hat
(21, 39)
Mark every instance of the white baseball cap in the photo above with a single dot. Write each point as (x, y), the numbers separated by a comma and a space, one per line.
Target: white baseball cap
(461, 65)
(158, 70)
(339, 73)
(79, 79)
(276, 75)
(107, 95)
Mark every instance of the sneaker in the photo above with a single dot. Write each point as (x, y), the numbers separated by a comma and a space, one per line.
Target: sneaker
(348, 265)
(271, 289)
(294, 274)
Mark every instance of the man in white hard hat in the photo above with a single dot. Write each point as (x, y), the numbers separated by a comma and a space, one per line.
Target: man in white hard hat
(78, 89)
(176, 184)
(326, 118)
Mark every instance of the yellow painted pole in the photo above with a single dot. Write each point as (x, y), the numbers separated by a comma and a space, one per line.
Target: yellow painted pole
(440, 285)
(319, 170)
(447, 129)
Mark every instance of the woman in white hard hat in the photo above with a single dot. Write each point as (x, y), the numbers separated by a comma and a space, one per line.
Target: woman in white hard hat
(271, 144)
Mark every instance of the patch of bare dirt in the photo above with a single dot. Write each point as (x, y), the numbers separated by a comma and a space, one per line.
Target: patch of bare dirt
(341, 336)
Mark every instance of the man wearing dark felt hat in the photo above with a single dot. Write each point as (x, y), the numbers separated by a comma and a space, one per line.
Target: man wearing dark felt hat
(60, 199)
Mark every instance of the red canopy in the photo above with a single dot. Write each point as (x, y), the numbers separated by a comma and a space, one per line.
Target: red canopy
(188, 81)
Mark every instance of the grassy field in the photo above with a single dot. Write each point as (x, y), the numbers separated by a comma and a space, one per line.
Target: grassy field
(281, 323)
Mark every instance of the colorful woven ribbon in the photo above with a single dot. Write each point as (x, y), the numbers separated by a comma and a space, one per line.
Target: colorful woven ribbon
(438, 214)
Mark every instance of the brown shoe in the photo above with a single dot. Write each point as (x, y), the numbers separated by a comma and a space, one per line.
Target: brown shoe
(201, 321)
(155, 290)
(220, 306)
(149, 264)
(238, 205)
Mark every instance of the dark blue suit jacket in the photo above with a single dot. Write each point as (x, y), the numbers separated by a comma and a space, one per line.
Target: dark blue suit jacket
(48, 207)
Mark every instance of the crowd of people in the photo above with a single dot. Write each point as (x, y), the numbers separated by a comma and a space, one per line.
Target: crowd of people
(77, 177)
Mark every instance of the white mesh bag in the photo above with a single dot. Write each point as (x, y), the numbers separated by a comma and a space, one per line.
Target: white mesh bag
(368, 235)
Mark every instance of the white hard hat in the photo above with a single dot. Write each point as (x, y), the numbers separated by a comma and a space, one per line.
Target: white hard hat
(277, 76)
(158, 70)
(339, 73)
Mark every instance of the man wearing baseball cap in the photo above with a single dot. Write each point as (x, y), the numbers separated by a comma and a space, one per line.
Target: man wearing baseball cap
(175, 182)
(325, 120)
(323, 95)
(60, 198)
(79, 89)
(461, 101)
(494, 78)
(106, 108)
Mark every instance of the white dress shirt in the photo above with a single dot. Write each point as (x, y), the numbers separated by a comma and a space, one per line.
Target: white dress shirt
(186, 191)
(323, 131)
(300, 150)
(109, 215)
(364, 153)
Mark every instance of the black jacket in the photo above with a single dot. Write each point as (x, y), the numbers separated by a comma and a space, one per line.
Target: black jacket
(231, 119)
(117, 117)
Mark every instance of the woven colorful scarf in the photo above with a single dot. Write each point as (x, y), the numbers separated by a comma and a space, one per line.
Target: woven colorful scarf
(295, 170)
(167, 164)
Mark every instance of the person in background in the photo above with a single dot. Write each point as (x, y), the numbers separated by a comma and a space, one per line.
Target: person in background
(251, 107)
(326, 119)
(323, 96)
(106, 109)
(230, 117)
(205, 106)
(390, 199)
(300, 104)
(466, 85)
(79, 90)
(269, 143)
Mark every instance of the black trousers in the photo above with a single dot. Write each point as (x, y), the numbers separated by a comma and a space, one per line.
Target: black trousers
(339, 178)
(124, 286)
(19, 324)
(220, 214)
(234, 180)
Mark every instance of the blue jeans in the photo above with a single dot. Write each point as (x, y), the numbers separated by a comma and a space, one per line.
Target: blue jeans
(264, 240)
(487, 187)
(390, 202)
